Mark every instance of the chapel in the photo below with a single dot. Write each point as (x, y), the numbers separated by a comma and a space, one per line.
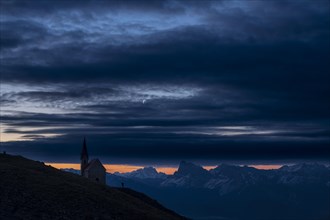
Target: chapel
(94, 169)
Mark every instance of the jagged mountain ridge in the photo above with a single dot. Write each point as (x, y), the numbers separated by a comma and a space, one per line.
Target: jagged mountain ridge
(144, 173)
(294, 192)
(226, 176)
(191, 175)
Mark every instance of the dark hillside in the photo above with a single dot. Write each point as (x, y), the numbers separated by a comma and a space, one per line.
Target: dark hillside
(31, 190)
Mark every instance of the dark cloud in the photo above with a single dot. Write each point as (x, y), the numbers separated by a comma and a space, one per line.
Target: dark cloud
(44, 6)
(160, 78)
(52, 96)
(130, 147)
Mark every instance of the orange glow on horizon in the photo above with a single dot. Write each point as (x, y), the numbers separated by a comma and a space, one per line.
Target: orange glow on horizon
(75, 166)
(209, 167)
(112, 168)
(122, 168)
(266, 167)
(167, 170)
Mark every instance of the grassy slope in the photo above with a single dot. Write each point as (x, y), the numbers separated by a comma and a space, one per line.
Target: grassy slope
(31, 190)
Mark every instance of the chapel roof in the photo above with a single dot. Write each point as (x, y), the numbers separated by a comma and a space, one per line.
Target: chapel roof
(93, 163)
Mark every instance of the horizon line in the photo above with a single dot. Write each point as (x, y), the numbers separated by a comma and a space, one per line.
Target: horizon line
(169, 170)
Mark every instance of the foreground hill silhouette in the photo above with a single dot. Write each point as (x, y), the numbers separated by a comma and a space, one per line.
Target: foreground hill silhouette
(32, 190)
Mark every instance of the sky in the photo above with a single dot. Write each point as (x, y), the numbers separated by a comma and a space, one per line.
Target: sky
(156, 82)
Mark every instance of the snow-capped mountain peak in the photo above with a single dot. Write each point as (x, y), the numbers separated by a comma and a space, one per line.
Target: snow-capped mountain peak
(303, 167)
(187, 168)
(144, 173)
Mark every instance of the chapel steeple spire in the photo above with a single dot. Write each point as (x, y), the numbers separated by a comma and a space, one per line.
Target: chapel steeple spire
(83, 157)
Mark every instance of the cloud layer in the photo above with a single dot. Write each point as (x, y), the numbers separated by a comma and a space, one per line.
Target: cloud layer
(166, 79)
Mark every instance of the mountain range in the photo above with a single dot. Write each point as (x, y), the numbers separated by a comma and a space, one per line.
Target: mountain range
(143, 173)
(300, 191)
